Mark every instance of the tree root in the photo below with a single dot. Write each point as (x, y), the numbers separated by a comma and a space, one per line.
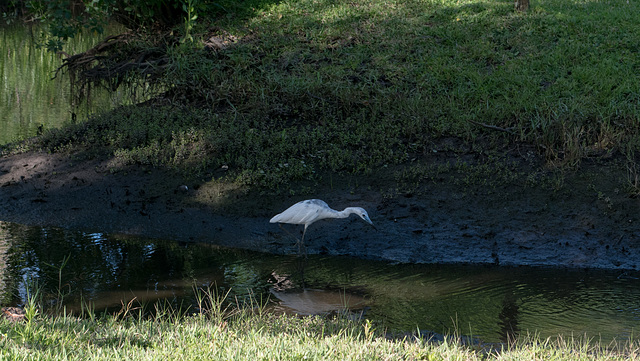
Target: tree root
(111, 63)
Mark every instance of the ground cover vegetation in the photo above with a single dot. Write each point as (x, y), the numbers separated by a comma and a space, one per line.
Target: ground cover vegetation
(288, 91)
(222, 331)
(277, 93)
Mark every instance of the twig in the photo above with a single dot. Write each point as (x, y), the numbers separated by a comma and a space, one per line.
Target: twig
(494, 127)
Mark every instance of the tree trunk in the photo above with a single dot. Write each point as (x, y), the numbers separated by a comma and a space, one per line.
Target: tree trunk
(522, 5)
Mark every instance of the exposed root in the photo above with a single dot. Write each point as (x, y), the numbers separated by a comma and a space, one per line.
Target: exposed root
(111, 63)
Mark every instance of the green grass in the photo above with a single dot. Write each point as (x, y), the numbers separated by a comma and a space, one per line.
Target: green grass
(221, 333)
(316, 86)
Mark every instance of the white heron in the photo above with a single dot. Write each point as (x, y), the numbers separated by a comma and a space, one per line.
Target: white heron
(311, 210)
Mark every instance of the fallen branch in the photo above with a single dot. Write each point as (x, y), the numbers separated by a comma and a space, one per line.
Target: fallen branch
(494, 127)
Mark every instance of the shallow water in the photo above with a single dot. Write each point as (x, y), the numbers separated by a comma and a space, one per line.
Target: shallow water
(32, 97)
(486, 302)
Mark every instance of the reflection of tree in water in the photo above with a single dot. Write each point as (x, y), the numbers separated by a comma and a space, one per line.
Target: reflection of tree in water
(95, 263)
(106, 269)
(508, 317)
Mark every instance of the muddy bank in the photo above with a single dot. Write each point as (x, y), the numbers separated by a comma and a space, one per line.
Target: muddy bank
(588, 221)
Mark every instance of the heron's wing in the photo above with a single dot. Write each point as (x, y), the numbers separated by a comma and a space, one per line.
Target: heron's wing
(316, 202)
(303, 212)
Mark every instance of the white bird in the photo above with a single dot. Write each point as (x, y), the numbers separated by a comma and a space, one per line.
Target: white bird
(311, 210)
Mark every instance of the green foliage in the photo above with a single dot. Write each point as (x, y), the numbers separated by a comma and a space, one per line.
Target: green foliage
(307, 87)
(32, 308)
(66, 18)
(189, 8)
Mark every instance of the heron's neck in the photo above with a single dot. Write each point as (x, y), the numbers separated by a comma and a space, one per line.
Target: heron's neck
(346, 212)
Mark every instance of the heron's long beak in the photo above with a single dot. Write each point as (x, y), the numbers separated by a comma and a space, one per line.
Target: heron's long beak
(368, 220)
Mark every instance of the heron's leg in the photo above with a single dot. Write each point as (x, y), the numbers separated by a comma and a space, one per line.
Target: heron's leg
(291, 234)
(299, 242)
(301, 248)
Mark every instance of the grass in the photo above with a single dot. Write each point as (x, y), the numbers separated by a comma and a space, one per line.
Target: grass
(316, 86)
(219, 332)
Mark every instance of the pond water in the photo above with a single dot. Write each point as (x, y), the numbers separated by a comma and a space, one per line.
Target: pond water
(30, 99)
(486, 302)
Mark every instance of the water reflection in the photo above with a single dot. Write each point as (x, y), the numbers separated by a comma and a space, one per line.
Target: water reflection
(490, 303)
(30, 100)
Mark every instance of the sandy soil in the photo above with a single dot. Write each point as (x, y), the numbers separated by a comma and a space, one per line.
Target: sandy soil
(591, 221)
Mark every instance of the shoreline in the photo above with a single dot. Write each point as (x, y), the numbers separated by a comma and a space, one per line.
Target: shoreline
(589, 223)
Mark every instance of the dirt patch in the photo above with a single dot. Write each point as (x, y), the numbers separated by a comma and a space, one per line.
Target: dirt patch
(589, 220)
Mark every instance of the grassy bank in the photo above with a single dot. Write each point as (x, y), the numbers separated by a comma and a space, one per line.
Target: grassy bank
(307, 87)
(244, 335)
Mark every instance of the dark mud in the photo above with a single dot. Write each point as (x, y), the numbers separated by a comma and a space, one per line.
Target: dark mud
(588, 220)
